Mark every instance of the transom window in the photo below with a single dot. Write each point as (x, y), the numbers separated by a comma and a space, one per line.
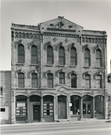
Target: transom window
(49, 55)
(61, 56)
(87, 81)
(61, 77)
(73, 56)
(73, 80)
(21, 80)
(34, 80)
(34, 54)
(87, 57)
(50, 80)
(21, 55)
(98, 58)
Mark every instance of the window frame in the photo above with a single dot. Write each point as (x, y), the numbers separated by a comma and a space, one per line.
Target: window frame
(61, 55)
(49, 55)
(21, 54)
(34, 53)
(21, 80)
(62, 77)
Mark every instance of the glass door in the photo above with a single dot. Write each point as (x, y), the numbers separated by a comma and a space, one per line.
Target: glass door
(87, 110)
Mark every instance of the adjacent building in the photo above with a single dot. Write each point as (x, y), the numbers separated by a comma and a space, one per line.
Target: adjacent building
(5, 97)
(58, 72)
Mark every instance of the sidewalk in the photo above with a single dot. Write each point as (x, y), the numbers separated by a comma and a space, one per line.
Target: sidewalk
(45, 123)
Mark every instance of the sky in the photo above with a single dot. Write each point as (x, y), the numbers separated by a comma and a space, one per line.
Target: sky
(90, 14)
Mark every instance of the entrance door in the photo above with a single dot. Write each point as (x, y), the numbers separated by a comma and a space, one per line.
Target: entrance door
(87, 109)
(36, 112)
(62, 107)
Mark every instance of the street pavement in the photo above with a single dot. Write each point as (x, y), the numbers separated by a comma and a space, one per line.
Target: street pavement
(81, 128)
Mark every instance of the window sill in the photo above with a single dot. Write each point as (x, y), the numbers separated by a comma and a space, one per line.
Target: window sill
(60, 66)
(71, 66)
(20, 64)
(48, 65)
(86, 66)
(33, 64)
(99, 67)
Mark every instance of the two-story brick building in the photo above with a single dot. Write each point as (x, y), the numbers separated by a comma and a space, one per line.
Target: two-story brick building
(58, 72)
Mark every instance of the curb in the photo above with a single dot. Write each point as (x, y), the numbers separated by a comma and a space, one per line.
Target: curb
(52, 123)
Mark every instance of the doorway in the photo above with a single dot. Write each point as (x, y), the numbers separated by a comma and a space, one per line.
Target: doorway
(87, 107)
(36, 112)
(62, 107)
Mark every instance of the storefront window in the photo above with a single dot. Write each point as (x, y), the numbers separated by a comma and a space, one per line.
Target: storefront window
(21, 107)
(75, 108)
(99, 105)
(48, 105)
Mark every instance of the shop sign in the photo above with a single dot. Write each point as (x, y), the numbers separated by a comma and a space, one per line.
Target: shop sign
(20, 104)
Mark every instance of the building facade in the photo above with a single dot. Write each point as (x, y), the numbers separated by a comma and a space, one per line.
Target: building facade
(5, 97)
(58, 72)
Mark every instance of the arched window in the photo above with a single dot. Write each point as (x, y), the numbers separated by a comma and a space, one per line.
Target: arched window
(50, 80)
(98, 58)
(87, 81)
(61, 56)
(87, 57)
(34, 80)
(75, 108)
(99, 104)
(34, 54)
(73, 80)
(73, 56)
(98, 81)
(49, 55)
(21, 80)
(61, 77)
(21, 55)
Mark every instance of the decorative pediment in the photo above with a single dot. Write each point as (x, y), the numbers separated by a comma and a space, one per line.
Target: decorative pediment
(98, 73)
(45, 73)
(60, 24)
(87, 72)
(58, 45)
(69, 46)
(96, 47)
(18, 42)
(69, 74)
(60, 70)
(46, 44)
(84, 47)
(33, 42)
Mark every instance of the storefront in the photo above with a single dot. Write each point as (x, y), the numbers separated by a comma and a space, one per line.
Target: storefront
(50, 108)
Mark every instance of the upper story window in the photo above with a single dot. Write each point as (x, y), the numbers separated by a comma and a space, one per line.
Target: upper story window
(87, 81)
(34, 54)
(49, 55)
(87, 57)
(21, 80)
(61, 77)
(34, 80)
(109, 78)
(21, 54)
(50, 80)
(98, 81)
(73, 56)
(61, 56)
(73, 80)
(1, 90)
(98, 58)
